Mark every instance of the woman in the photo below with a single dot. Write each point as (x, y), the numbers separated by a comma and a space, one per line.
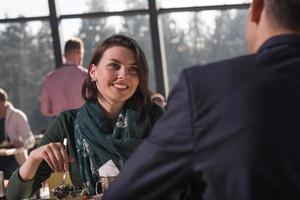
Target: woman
(117, 115)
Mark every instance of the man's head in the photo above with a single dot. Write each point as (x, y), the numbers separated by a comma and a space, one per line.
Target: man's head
(284, 13)
(74, 51)
(268, 18)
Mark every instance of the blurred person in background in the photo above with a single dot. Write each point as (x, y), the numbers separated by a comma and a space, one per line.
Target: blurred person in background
(61, 87)
(159, 99)
(15, 132)
(231, 129)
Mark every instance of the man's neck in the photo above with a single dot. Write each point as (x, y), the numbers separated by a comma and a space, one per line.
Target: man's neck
(69, 62)
(267, 29)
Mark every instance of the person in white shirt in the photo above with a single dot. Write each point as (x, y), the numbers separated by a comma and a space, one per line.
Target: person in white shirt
(14, 132)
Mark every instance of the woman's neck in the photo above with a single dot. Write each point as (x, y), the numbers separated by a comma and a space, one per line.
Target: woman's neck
(112, 110)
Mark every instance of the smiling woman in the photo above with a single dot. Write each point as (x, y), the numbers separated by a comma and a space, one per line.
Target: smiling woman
(120, 60)
(117, 116)
(116, 76)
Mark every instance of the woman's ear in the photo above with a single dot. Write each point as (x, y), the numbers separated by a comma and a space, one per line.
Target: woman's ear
(92, 71)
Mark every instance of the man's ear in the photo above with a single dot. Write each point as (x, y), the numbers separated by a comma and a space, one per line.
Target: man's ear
(256, 10)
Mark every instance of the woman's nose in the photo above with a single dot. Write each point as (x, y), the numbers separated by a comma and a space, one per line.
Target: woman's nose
(122, 72)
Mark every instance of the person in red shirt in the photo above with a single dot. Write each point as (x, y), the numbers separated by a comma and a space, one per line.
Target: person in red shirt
(61, 87)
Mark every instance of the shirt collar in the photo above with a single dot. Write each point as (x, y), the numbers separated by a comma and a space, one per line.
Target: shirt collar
(288, 39)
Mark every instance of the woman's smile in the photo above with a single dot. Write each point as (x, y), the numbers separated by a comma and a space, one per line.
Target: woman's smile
(120, 86)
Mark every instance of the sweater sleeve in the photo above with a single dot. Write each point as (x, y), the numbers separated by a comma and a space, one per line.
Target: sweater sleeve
(20, 189)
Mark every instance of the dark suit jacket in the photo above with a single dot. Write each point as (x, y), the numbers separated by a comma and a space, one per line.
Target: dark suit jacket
(231, 131)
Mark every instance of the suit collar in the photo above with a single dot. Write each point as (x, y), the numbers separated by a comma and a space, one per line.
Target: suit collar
(289, 39)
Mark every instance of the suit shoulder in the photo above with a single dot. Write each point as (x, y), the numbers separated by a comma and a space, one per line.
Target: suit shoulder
(224, 64)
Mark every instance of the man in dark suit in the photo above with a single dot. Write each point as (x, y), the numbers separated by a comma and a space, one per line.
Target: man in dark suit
(231, 129)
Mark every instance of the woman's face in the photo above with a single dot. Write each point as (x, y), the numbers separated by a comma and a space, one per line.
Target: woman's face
(116, 75)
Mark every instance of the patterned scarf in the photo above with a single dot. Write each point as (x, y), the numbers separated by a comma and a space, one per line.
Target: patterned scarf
(98, 141)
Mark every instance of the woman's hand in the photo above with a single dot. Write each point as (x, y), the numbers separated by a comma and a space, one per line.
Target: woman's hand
(54, 154)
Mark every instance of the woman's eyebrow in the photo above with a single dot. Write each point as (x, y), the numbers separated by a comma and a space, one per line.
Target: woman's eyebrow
(117, 61)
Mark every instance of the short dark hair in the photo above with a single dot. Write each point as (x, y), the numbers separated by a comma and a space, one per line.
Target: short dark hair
(142, 95)
(3, 95)
(284, 13)
(73, 44)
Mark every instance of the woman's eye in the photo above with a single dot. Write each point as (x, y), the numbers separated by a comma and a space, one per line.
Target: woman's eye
(133, 70)
(114, 65)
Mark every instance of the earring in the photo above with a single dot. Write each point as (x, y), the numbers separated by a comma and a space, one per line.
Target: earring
(93, 79)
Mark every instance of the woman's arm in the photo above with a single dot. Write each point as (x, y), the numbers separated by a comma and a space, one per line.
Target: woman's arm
(48, 157)
(54, 154)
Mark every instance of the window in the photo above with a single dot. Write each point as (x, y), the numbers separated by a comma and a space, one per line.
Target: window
(191, 36)
(26, 55)
(17, 8)
(191, 3)
(87, 6)
(201, 37)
